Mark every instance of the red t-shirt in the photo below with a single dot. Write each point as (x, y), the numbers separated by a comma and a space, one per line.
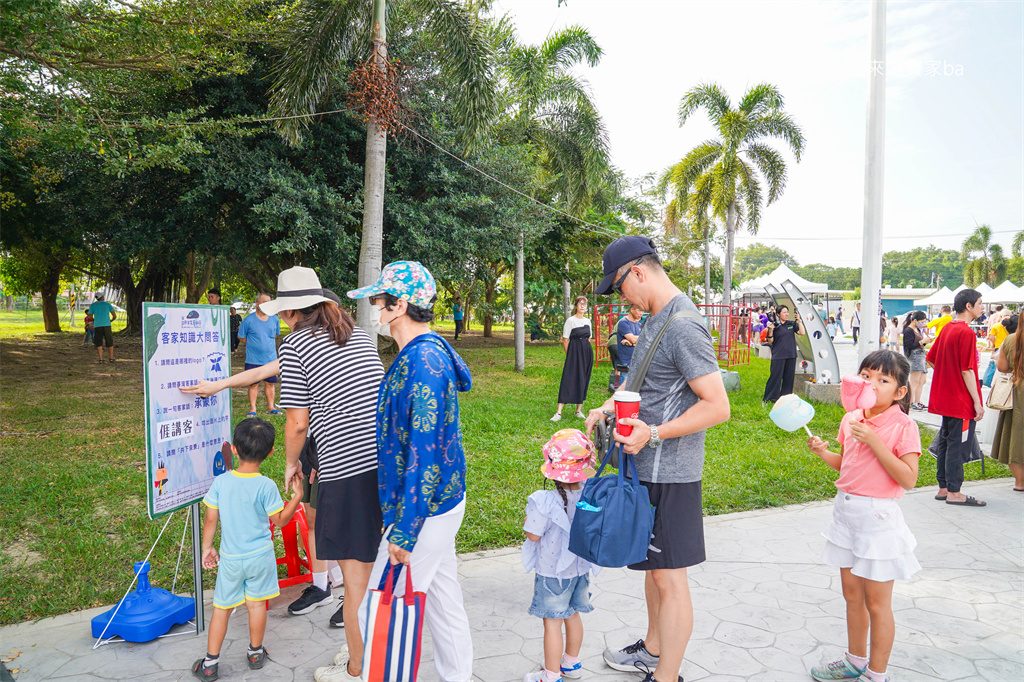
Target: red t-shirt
(954, 351)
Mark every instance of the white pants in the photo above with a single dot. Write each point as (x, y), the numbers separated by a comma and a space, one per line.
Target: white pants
(435, 572)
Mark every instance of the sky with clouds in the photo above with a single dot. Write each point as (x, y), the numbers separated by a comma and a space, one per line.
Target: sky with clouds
(954, 106)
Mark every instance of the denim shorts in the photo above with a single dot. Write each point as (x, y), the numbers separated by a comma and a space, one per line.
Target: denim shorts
(560, 598)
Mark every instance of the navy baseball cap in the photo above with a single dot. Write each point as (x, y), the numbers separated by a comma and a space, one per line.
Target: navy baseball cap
(620, 252)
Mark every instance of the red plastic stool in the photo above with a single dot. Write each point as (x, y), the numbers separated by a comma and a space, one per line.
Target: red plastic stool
(291, 558)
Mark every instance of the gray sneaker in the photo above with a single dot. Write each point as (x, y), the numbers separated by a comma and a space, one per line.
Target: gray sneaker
(627, 658)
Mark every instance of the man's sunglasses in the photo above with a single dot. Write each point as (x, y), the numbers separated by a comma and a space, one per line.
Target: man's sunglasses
(618, 283)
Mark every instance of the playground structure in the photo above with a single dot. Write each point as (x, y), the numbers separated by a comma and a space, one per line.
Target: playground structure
(729, 331)
(815, 347)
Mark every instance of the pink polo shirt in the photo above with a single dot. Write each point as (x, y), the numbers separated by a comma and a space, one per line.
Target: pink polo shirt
(860, 472)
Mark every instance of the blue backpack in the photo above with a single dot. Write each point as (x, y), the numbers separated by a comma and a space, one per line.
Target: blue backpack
(614, 517)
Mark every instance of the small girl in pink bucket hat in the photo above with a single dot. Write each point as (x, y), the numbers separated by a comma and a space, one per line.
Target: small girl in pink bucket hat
(561, 587)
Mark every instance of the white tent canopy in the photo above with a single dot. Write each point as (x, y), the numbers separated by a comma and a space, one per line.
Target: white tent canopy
(1007, 292)
(776, 278)
(985, 290)
(941, 297)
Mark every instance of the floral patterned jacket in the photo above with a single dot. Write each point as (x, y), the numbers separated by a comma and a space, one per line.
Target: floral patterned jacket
(422, 467)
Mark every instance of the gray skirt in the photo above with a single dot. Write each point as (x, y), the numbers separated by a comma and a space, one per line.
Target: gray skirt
(917, 360)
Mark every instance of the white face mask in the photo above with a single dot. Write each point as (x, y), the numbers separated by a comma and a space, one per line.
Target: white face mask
(383, 329)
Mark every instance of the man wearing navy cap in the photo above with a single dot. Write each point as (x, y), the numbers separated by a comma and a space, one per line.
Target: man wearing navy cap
(681, 397)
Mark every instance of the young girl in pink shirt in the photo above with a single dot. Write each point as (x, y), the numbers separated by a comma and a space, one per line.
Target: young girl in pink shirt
(868, 540)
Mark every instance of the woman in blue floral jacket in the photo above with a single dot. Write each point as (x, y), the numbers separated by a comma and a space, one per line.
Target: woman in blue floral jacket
(422, 466)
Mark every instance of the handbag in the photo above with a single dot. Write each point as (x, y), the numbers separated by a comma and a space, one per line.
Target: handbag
(614, 518)
(639, 375)
(1001, 395)
(393, 630)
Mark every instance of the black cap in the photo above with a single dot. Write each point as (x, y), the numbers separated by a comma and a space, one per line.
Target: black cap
(620, 252)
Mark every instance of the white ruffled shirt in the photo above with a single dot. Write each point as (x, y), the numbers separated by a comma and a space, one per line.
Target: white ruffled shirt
(550, 556)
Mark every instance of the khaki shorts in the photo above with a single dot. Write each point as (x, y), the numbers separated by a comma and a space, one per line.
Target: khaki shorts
(309, 491)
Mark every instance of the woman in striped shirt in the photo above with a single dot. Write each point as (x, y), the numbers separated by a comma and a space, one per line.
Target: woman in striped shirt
(330, 375)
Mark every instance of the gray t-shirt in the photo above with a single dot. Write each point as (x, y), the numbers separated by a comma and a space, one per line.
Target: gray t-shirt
(685, 353)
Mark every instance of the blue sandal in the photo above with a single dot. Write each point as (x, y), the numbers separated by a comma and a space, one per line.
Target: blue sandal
(275, 411)
(250, 414)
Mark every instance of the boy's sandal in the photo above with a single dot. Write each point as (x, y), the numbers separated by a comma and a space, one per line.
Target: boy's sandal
(969, 502)
(204, 673)
(275, 411)
(257, 659)
(940, 497)
(250, 414)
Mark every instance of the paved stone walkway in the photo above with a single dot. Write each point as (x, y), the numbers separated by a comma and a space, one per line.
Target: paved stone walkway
(767, 609)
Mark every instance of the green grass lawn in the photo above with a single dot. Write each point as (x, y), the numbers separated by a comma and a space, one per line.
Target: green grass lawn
(21, 323)
(72, 462)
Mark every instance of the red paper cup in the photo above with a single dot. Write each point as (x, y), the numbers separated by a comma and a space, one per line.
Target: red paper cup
(627, 406)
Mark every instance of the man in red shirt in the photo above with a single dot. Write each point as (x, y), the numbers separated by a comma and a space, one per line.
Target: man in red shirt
(956, 396)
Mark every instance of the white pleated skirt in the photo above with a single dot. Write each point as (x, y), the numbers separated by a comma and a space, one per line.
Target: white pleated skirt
(869, 536)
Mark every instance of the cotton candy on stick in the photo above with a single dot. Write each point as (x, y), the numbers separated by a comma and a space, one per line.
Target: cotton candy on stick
(791, 412)
(857, 393)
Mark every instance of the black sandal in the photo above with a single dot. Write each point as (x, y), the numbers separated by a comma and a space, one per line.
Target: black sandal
(969, 502)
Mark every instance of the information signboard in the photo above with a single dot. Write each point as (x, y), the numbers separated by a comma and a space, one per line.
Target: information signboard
(183, 344)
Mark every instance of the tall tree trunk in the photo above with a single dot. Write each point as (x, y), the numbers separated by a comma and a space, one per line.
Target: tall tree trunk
(520, 323)
(566, 297)
(490, 286)
(707, 269)
(195, 288)
(730, 236)
(9, 303)
(371, 248)
(49, 291)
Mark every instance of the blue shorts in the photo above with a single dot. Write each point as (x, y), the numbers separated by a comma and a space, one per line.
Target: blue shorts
(560, 598)
(253, 578)
(269, 380)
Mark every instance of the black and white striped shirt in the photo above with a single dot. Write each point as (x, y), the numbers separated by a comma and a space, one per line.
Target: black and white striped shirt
(339, 385)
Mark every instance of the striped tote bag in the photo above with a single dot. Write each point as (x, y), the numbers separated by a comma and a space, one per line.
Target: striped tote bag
(393, 630)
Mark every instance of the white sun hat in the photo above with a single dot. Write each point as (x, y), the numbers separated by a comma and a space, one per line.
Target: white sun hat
(297, 288)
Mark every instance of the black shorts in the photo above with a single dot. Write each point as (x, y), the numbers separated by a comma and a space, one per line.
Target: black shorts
(269, 380)
(349, 522)
(678, 539)
(103, 335)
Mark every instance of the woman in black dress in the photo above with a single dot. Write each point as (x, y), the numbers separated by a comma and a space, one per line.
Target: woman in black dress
(782, 338)
(579, 360)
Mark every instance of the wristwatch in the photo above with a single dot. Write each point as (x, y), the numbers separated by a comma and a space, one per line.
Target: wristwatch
(655, 440)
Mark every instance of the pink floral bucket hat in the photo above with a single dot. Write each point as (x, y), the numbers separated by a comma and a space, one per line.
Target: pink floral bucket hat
(569, 457)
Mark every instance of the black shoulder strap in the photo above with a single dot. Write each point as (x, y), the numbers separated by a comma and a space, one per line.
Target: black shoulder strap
(638, 375)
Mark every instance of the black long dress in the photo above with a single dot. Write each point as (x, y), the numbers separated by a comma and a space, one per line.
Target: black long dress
(579, 362)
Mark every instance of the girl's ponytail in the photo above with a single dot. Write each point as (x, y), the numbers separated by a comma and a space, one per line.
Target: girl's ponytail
(565, 498)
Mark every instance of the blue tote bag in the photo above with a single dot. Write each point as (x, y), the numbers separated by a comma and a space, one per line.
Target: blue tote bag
(614, 518)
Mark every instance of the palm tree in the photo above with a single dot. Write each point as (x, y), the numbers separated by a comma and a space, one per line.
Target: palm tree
(320, 36)
(551, 108)
(701, 229)
(989, 264)
(725, 175)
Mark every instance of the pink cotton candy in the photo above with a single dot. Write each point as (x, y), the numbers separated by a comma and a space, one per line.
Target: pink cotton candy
(857, 394)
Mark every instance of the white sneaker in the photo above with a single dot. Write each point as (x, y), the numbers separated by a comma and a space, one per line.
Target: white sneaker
(557, 418)
(580, 415)
(333, 673)
(341, 658)
(538, 676)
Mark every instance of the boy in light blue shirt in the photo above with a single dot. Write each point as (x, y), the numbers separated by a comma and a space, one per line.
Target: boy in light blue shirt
(245, 503)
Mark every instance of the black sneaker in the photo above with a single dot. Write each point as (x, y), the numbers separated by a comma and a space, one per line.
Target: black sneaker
(311, 598)
(337, 620)
(257, 658)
